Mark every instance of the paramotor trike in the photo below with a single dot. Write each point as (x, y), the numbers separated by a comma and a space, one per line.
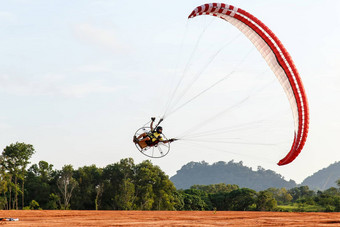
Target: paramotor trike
(156, 150)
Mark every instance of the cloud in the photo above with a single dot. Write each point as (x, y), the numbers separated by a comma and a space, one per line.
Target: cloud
(7, 17)
(103, 38)
(14, 85)
(94, 87)
(52, 85)
(93, 69)
(32, 85)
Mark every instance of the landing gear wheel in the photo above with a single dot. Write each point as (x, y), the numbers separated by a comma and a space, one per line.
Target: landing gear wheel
(156, 151)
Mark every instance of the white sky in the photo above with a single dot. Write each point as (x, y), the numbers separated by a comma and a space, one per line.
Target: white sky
(78, 78)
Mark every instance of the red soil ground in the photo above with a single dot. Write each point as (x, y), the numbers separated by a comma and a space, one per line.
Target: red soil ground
(167, 218)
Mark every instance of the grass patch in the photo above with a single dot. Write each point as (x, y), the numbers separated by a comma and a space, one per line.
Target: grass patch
(298, 207)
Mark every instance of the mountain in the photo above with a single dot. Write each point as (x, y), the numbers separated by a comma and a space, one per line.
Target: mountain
(201, 173)
(324, 178)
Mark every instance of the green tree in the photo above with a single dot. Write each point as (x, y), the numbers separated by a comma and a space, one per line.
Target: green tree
(111, 181)
(34, 205)
(145, 179)
(154, 190)
(329, 199)
(193, 202)
(4, 182)
(143, 186)
(195, 199)
(220, 200)
(118, 179)
(53, 202)
(242, 199)
(332, 191)
(301, 192)
(179, 200)
(216, 188)
(163, 190)
(280, 195)
(44, 170)
(39, 178)
(239, 199)
(85, 195)
(15, 159)
(125, 195)
(265, 201)
(337, 204)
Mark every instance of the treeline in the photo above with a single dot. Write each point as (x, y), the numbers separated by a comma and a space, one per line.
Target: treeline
(128, 186)
(119, 186)
(231, 197)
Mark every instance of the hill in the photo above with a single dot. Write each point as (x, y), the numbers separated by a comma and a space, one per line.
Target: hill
(324, 178)
(201, 173)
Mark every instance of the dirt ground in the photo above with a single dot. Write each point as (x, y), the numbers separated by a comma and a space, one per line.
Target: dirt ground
(167, 218)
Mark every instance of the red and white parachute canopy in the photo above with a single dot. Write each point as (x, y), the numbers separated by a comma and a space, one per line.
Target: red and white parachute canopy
(278, 60)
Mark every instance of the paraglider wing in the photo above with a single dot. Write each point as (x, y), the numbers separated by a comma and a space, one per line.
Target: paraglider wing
(278, 60)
